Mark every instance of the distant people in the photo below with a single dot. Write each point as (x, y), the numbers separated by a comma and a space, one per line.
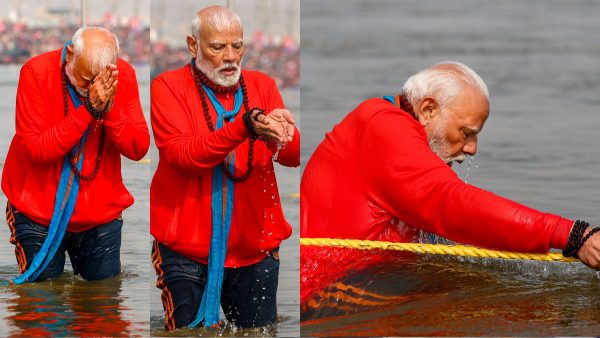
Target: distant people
(215, 211)
(62, 174)
(19, 42)
(383, 173)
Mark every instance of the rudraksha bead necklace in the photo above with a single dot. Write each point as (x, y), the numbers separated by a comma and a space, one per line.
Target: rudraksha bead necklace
(201, 79)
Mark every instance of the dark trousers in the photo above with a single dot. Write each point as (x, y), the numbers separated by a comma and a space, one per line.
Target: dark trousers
(94, 253)
(248, 295)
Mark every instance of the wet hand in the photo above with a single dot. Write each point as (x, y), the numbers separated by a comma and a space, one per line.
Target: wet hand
(286, 119)
(589, 253)
(276, 128)
(104, 87)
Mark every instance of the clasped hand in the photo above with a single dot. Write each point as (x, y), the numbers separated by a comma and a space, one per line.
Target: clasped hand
(103, 88)
(277, 126)
(589, 253)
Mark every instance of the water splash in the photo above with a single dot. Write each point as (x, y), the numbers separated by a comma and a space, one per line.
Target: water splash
(471, 162)
(276, 155)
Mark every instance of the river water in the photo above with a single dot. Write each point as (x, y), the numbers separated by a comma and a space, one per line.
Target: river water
(127, 305)
(539, 147)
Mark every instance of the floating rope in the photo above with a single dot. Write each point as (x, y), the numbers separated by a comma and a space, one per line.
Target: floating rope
(435, 249)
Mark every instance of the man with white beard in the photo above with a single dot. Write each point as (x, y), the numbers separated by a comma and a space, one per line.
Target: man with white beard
(215, 212)
(383, 173)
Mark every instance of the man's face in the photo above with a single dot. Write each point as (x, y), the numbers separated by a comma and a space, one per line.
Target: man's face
(219, 54)
(79, 74)
(452, 133)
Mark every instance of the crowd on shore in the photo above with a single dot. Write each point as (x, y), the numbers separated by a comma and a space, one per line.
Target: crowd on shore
(279, 59)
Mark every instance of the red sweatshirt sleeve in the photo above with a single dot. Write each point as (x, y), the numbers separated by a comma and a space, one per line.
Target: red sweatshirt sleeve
(179, 142)
(43, 140)
(290, 155)
(125, 124)
(405, 177)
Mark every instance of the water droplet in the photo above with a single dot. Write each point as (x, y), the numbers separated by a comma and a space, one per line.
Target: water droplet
(263, 297)
(276, 155)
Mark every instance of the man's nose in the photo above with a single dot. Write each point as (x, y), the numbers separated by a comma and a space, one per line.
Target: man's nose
(470, 147)
(229, 54)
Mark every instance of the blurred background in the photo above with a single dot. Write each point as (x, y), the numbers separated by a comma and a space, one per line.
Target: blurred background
(29, 27)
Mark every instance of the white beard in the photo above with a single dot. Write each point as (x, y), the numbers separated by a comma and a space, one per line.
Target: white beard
(439, 145)
(69, 72)
(214, 73)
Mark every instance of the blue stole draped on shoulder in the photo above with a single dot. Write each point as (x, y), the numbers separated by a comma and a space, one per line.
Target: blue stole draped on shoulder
(390, 98)
(222, 191)
(64, 204)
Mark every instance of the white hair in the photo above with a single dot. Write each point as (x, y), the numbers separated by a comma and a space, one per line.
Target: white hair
(443, 81)
(221, 19)
(99, 55)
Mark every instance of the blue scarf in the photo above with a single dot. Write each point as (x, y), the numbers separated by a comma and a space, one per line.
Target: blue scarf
(64, 204)
(208, 312)
(390, 98)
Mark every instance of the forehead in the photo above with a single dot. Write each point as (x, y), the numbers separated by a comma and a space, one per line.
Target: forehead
(82, 66)
(224, 33)
(471, 107)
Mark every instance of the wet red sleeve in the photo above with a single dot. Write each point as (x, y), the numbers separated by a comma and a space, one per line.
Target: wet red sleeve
(125, 124)
(44, 140)
(183, 147)
(405, 177)
(290, 155)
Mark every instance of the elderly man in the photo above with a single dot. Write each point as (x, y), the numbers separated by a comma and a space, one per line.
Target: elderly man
(78, 110)
(384, 174)
(215, 212)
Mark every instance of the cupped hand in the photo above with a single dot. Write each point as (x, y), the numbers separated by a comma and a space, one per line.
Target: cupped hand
(104, 87)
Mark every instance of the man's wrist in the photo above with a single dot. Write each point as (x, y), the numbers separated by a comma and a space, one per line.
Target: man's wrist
(576, 238)
(96, 113)
(250, 115)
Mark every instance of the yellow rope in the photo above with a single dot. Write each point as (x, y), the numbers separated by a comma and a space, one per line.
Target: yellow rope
(436, 249)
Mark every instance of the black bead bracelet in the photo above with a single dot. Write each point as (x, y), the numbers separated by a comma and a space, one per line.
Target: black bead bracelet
(575, 242)
(247, 117)
(97, 114)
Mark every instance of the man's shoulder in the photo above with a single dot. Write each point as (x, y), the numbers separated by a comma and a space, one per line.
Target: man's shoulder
(379, 109)
(45, 62)
(257, 76)
(172, 76)
(125, 68)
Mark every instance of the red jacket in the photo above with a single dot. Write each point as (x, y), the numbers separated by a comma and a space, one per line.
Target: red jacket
(44, 136)
(375, 177)
(180, 194)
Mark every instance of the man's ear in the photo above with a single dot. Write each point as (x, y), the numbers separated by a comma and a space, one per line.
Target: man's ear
(192, 46)
(428, 109)
(69, 54)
